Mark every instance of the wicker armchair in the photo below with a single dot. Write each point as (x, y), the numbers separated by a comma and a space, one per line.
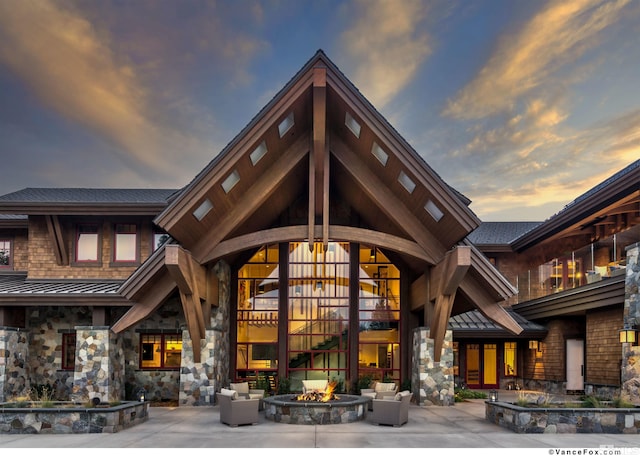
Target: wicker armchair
(236, 411)
(391, 411)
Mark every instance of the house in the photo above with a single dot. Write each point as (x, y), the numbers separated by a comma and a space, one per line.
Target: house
(316, 245)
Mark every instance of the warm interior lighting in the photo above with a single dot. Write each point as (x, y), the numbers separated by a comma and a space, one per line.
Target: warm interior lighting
(372, 254)
(627, 336)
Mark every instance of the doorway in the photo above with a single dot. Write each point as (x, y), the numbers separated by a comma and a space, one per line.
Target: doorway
(575, 365)
(482, 366)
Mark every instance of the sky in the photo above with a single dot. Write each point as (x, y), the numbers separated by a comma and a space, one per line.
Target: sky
(520, 105)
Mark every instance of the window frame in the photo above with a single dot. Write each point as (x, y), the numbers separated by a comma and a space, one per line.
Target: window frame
(162, 336)
(98, 232)
(3, 242)
(64, 365)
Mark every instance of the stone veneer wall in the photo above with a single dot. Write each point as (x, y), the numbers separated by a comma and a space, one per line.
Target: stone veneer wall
(199, 381)
(99, 370)
(630, 389)
(435, 380)
(14, 369)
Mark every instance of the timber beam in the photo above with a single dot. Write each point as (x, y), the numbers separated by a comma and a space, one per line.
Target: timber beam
(445, 278)
(57, 240)
(190, 277)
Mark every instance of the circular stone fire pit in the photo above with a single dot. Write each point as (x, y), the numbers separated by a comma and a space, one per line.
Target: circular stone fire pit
(286, 409)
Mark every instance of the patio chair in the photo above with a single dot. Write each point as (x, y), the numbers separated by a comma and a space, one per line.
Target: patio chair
(391, 411)
(235, 410)
(380, 390)
(314, 385)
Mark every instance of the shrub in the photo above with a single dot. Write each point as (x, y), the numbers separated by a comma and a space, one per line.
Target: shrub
(462, 393)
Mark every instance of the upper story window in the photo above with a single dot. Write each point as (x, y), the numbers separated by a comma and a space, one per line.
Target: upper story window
(126, 243)
(6, 254)
(159, 239)
(87, 243)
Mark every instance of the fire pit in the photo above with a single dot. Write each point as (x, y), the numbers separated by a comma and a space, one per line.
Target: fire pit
(343, 408)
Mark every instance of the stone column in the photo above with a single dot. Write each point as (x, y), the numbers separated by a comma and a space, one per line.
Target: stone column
(99, 368)
(630, 372)
(14, 369)
(199, 382)
(432, 383)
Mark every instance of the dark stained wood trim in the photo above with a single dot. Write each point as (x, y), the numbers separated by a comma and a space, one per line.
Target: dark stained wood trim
(56, 235)
(445, 279)
(296, 233)
(477, 294)
(147, 304)
(141, 277)
(224, 162)
(84, 209)
(419, 292)
(577, 301)
(252, 199)
(388, 203)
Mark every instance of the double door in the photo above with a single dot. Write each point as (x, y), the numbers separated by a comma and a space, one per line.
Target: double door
(481, 366)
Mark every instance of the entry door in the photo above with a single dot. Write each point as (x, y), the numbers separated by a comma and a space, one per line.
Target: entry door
(482, 365)
(575, 365)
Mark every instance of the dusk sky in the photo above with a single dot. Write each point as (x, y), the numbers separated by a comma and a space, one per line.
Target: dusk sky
(520, 105)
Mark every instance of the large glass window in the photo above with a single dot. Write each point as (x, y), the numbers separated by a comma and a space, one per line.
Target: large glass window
(257, 317)
(160, 351)
(6, 260)
(318, 312)
(379, 313)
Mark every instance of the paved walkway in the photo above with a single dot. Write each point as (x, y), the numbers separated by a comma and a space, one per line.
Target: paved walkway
(459, 426)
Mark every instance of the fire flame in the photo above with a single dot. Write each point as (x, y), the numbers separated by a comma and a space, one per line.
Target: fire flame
(320, 396)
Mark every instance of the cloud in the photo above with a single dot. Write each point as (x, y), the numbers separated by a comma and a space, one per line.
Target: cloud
(523, 61)
(123, 77)
(386, 46)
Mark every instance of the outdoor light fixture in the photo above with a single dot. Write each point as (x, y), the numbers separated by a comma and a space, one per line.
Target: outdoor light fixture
(372, 254)
(627, 335)
(493, 396)
(533, 344)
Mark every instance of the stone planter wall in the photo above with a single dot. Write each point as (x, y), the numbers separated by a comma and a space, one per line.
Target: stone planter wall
(72, 420)
(526, 420)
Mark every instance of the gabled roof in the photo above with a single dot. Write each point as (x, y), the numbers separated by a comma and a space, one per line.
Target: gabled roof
(321, 102)
(47, 201)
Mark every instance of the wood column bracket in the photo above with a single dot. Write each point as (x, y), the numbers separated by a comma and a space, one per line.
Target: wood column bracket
(192, 285)
(57, 240)
(445, 278)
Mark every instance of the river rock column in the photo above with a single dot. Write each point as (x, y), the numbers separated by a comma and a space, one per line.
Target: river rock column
(14, 369)
(630, 372)
(99, 371)
(432, 383)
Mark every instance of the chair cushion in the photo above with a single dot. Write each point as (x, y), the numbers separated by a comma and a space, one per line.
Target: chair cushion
(383, 387)
(241, 388)
(315, 385)
(230, 393)
(401, 394)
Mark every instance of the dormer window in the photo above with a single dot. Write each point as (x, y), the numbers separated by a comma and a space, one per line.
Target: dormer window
(203, 210)
(406, 182)
(230, 182)
(380, 154)
(258, 153)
